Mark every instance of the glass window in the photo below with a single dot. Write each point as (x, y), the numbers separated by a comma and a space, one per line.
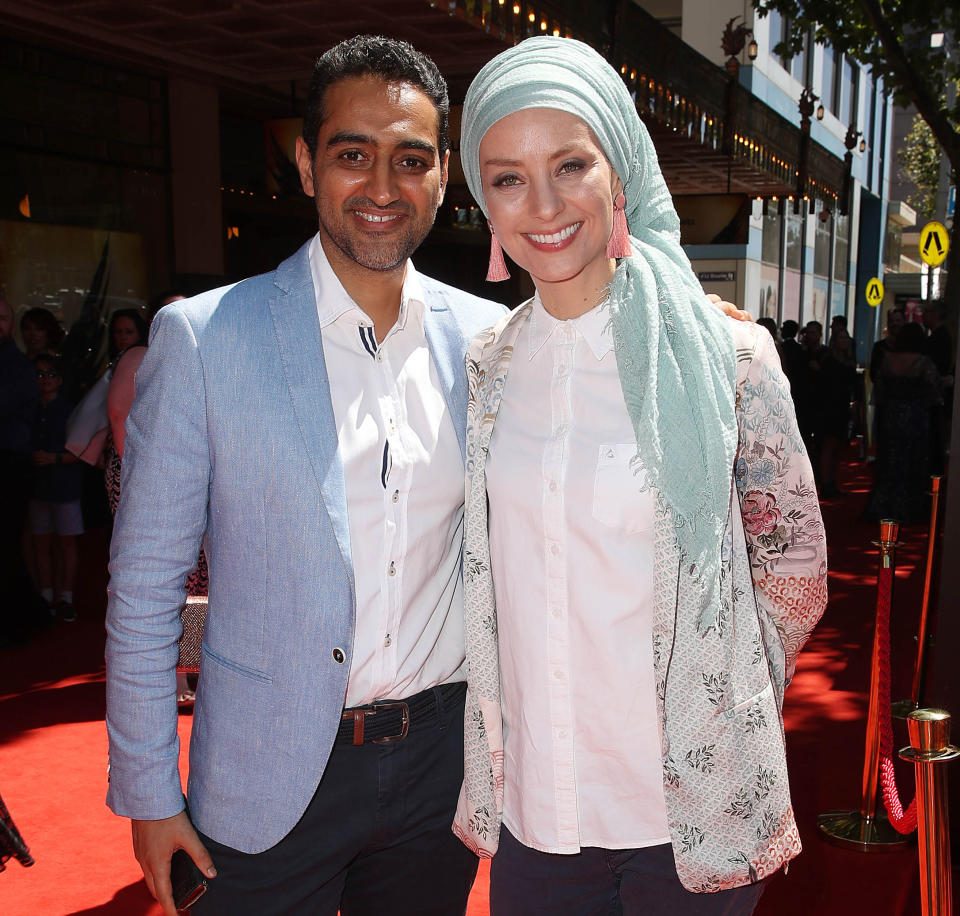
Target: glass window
(821, 247)
(848, 87)
(798, 66)
(841, 246)
(794, 238)
(770, 246)
(776, 35)
(828, 73)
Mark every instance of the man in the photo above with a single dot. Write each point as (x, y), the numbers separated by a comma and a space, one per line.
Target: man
(19, 396)
(310, 421)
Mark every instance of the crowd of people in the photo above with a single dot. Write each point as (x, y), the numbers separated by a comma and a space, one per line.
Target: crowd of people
(51, 484)
(626, 586)
(907, 388)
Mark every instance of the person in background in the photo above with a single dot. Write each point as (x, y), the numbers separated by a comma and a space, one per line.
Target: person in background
(19, 396)
(906, 390)
(838, 378)
(41, 332)
(643, 551)
(896, 319)
(54, 517)
(790, 351)
(126, 329)
(941, 351)
(771, 326)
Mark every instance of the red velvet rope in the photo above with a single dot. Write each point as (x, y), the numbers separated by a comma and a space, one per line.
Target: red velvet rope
(902, 821)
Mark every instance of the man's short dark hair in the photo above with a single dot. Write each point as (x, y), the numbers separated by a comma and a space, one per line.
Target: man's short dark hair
(789, 329)
(387, 59)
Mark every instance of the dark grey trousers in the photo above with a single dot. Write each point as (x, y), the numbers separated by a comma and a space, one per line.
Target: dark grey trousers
(375, 839)
(602, 882)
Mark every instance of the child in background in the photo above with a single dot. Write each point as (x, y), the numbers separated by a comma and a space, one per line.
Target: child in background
(54, 515)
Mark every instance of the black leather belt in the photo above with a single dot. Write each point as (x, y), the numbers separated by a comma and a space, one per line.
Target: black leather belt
(391, 720)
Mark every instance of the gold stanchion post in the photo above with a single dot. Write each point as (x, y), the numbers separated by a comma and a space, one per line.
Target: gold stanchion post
(929, 749)
(902, 708)
(866, 830)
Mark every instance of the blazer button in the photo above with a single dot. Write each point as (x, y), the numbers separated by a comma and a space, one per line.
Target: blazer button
(338, 656)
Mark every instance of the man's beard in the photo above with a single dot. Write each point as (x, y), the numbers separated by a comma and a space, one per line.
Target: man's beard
(378, 252)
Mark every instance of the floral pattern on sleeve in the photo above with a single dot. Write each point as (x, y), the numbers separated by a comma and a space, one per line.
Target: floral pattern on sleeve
(778, 503)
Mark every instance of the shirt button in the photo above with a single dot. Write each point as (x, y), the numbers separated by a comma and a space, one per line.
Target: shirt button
(388, 641)
(561, 734)
(558, 674)
(396, 496)
(392, 570)
(562, 369)
(562, 429)
(338, 656)
(553, 486)
(555, 549)
(557, 612)
(379, 356)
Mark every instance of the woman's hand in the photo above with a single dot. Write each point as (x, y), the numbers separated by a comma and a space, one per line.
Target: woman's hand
(729, 309)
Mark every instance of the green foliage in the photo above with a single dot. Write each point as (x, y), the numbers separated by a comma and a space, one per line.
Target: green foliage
(919, 161)
(892, 39)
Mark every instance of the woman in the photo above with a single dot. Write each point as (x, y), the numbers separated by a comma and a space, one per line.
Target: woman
(41, 332)
(906, 389)
(127, 329)
(643, 561)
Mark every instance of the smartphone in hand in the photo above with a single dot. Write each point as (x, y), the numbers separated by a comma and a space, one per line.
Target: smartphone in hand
(189, 883)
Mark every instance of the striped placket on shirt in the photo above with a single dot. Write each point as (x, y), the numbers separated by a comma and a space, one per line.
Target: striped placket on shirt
(369, 341)
(395, 513)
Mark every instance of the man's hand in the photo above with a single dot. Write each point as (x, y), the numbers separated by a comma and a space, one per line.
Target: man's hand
(729, 309)
(154, 842)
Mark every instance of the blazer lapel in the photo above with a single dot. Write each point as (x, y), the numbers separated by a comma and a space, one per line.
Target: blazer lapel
(447, 346)
(297, 329)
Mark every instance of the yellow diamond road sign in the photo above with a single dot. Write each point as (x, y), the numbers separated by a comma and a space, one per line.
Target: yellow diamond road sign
(934, 243)
(874, 291)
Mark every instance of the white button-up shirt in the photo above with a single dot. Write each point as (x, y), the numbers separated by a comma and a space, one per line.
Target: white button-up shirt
(571, 539)
(403, 473)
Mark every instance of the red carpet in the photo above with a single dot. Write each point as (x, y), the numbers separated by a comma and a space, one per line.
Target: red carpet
(53, 749)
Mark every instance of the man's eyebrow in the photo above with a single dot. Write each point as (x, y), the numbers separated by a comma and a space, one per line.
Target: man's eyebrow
(345, 137)
(342, 137)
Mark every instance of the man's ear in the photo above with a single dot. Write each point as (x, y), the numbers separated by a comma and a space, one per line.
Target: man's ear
(444, 176)
(305, 166)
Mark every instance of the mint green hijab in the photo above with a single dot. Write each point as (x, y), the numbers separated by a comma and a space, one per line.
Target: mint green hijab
(675, 355)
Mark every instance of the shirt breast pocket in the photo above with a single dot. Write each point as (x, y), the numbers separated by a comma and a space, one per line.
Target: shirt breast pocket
(622, 495)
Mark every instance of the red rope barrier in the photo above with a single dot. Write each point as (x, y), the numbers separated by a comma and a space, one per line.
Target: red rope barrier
(902, 821)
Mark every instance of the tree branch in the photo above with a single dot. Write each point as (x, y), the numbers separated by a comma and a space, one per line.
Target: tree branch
(927, 105)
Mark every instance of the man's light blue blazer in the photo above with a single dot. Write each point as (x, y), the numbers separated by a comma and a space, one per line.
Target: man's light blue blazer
(232, 439)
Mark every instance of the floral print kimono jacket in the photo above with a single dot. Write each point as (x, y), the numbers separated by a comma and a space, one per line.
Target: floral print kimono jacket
(719, 692)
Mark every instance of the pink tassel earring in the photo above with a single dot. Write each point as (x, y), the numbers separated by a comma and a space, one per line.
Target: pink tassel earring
(497, 270)
(619, 244)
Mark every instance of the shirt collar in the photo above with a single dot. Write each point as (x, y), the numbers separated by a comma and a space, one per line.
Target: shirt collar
(593, 327)
(333, 301)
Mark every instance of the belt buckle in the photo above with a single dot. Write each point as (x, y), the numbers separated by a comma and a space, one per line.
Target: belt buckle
(404, 721)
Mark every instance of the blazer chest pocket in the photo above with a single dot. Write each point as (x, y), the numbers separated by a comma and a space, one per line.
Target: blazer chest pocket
(622, 495)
